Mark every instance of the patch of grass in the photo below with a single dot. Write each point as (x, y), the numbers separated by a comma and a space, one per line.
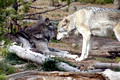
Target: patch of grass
(50, 65)
(76, 46)
(103, 59)
(55, 41)
(13, 59)
(4, 52)
(31, 66)
(117, 69)
(7, 41)
(3, 77)
(75, 8)
(62, 60)
(6, 69)
(117, 59)
(58, 15)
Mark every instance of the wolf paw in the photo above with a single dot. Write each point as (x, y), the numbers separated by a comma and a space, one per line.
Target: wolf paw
(72, 56)
(79, 59)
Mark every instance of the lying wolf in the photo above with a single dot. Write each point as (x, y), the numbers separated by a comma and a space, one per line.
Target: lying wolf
(90, 21)
(37, 38)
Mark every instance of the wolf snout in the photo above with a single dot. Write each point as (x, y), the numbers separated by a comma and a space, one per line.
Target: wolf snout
(59, 39)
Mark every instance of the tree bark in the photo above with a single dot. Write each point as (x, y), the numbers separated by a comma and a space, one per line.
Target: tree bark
(117, 4)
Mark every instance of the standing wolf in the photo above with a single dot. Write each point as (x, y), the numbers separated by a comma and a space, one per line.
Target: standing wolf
(90, 21)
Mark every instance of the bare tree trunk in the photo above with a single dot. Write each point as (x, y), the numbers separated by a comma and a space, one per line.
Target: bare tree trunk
(117, 4)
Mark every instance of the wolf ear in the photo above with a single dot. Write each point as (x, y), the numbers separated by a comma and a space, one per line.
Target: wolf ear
(66, 20)
(47, 20)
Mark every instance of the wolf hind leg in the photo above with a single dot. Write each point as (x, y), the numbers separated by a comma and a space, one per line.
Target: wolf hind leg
(117, 31)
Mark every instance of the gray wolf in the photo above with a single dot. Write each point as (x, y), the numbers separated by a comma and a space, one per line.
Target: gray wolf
(90, 21)
(37, 38)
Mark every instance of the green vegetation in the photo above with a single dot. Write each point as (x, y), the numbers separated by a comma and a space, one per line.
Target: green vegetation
(50, 65)
(117, 59)
(10, 14)
(76, 46)
(117, 69)
(3, 77)
(55, 41)
(13, 59)
(6, 69)
(32, 66)
(103, 59)
(63, 60)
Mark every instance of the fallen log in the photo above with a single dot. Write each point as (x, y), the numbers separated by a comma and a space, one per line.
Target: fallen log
(38, 58)
(37, 75)
(111, 75)
(106, 65)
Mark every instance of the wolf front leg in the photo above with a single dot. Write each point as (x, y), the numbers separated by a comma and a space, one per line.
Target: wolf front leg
(86, 46)
(89, 48)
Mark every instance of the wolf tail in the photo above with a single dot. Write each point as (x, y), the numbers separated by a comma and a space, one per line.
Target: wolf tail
(117, 31)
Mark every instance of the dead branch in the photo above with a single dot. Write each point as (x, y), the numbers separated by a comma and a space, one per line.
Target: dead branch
(35, 7)
(55, 76)
(30, 19)
(107, 65)
(47, 10)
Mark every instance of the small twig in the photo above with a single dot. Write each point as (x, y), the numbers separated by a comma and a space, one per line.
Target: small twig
(35, 7)
(30, 19)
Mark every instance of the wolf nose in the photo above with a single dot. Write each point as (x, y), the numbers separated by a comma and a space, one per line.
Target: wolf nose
(59, 39)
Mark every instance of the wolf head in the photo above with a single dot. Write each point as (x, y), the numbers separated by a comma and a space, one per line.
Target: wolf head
(43, 29)
(63, 28)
